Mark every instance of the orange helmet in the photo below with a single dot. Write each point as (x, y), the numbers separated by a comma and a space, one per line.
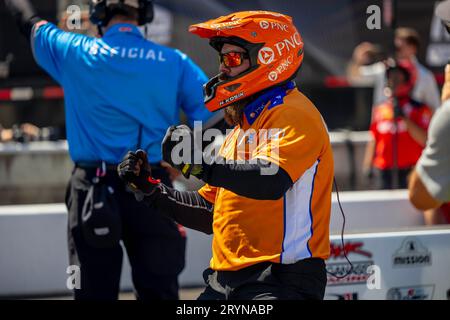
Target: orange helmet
(274, 46)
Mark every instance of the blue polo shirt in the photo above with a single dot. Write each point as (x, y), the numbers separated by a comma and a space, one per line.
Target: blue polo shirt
(117, 87)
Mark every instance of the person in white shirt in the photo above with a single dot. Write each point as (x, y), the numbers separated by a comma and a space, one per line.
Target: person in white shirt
(407, 43)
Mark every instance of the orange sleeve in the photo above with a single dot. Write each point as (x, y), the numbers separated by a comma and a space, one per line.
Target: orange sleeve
(294, 141)
(208, 193)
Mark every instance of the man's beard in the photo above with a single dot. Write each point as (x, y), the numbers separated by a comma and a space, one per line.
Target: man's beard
(234, 114)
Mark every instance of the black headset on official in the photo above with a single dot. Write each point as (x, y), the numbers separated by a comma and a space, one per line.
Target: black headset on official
(100, 12)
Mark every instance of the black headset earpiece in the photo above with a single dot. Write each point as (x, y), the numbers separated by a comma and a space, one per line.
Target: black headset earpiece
(146, 12)
(97, 12)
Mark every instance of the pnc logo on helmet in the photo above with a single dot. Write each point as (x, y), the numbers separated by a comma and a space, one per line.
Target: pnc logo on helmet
(293, 42)
(273, 76)
(273, 25)
(266, 55)
(264, 25)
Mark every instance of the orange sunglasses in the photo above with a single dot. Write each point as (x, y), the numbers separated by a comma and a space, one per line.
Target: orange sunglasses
(232, 59)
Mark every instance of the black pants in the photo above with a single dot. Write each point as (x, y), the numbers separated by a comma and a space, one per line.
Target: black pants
(154, 244)
(303, 280)
(387, 178)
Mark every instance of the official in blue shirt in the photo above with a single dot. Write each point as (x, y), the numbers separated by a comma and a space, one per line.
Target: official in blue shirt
(116, 85)
(121, 93)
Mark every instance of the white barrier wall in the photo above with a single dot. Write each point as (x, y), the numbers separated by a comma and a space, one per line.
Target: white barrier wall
(33, 252)
(369, 210)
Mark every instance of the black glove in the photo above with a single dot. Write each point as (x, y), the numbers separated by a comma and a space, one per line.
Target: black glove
(182, 136)
(135, 171)
(24, 14)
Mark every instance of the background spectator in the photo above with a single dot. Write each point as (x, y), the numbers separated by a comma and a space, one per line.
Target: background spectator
(411, 122)
(407, 43)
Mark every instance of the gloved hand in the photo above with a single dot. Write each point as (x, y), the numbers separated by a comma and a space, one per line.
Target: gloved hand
(135, 171)
(182, 138)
